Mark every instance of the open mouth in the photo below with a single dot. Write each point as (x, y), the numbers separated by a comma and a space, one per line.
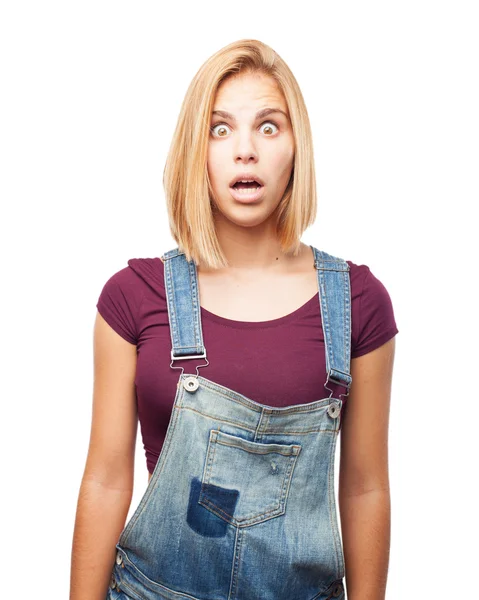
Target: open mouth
(247, 192)
(246, 187)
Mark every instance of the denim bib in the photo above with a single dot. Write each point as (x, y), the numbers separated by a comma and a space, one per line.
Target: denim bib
(241, 504)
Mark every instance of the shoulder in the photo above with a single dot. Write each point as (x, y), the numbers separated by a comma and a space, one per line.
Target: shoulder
(148, 270)
(373, 318)
(122, 294)
(357, 276)
(138, 273)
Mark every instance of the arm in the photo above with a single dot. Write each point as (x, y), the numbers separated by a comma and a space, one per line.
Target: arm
(364, 498)
(107, 485)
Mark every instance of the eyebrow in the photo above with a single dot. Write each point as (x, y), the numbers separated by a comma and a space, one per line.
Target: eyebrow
(259, 115)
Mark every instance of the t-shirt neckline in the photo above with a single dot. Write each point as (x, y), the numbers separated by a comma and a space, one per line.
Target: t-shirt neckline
(284, 320)
(280, 321)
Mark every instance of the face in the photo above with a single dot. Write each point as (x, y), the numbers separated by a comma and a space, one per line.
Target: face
(245, 142)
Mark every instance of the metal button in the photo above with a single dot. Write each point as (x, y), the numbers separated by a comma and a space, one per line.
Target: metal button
(119, 558)
(112, 582)
(334, 409)
(337, 590)
(190, 384)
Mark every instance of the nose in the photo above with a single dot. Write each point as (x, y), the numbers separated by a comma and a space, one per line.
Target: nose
(245, 148)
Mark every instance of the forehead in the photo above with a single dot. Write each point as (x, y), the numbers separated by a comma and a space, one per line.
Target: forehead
(248, 93)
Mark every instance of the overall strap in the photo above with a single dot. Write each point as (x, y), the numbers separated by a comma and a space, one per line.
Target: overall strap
(184, 313)
(335, 304)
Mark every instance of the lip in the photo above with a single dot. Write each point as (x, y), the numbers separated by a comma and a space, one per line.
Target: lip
(246, 175)
(247, 198)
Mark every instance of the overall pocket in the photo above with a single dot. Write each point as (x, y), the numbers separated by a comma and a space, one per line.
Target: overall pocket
(246, 482)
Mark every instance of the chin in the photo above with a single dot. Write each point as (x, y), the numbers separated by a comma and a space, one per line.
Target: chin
(244, 216)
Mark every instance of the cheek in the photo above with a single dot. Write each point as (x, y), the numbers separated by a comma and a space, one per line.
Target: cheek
(214, 164)
(282, 161)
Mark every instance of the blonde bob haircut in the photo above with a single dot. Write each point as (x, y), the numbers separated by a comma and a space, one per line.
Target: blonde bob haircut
(185, 178)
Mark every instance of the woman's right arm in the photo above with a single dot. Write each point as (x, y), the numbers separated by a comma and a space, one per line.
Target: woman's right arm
(107, 484)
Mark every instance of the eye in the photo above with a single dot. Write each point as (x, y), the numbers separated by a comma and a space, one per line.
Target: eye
(269, 123)
(213, 127)
(223, 126)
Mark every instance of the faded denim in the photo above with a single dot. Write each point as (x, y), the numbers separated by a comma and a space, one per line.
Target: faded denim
(241, 504)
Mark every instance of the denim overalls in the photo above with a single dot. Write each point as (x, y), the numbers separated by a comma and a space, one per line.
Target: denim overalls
(241, 504)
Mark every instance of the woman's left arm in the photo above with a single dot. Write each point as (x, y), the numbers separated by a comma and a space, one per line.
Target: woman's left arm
(364, 497)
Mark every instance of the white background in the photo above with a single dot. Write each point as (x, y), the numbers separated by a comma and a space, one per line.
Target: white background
(90, 94)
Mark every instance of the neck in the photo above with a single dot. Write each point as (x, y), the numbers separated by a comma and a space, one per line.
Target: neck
(252, 248)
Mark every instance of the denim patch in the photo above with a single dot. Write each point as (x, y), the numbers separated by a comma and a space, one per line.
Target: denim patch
(201, 519)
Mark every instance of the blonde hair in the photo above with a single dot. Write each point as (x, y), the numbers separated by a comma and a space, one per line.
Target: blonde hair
(185, 178)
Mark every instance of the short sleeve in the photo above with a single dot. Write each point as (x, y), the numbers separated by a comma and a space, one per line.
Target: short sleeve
(119, 304)
(377, 323)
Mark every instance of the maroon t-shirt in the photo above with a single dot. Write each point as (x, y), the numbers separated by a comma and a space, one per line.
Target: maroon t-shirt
(278, 362)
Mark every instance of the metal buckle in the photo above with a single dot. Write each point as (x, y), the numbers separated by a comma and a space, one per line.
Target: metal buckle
(336, 381)
(189, 357)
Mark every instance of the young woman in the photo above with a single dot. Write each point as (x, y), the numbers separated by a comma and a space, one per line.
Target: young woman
(239, 352)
